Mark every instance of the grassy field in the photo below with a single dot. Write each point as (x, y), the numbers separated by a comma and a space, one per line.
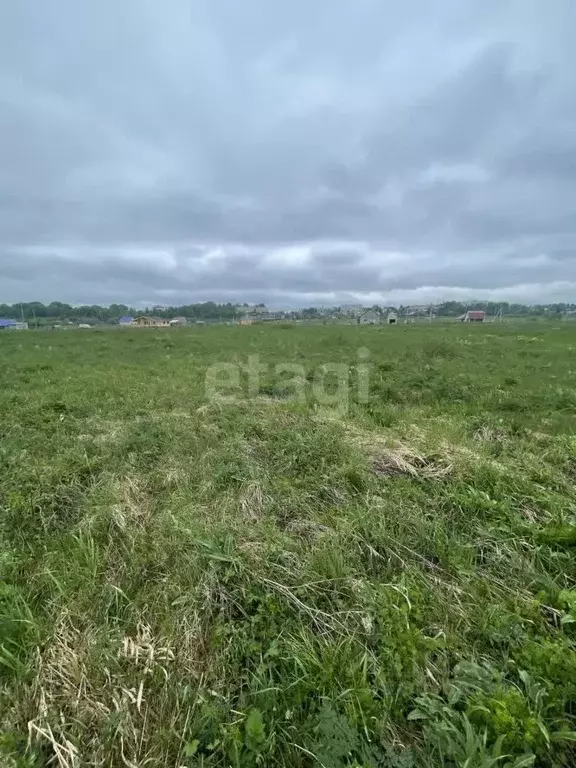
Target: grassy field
(375, 568)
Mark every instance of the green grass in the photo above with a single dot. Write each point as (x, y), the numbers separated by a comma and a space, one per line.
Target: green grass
(263, 581)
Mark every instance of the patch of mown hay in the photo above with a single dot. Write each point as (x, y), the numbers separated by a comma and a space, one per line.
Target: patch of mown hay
(402, 461)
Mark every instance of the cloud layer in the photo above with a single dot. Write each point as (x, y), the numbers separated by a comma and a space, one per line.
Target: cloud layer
(290, 153)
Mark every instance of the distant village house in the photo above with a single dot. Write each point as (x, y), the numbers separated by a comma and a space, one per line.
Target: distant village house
(474, 316)
(370, 317)
(146, 321)
(7, 324)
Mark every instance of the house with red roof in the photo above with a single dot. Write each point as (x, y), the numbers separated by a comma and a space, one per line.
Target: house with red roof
(474, 316)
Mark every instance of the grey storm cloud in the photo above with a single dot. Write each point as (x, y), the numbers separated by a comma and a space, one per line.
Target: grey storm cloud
(290, 153)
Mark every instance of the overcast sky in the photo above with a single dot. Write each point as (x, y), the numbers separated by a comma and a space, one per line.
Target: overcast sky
(296, 153)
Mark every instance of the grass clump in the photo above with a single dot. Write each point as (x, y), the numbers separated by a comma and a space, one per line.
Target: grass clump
(269, 580)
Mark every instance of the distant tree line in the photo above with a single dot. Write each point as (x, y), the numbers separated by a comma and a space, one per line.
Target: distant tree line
(94, 313)
(35, 312)
(455, 308)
